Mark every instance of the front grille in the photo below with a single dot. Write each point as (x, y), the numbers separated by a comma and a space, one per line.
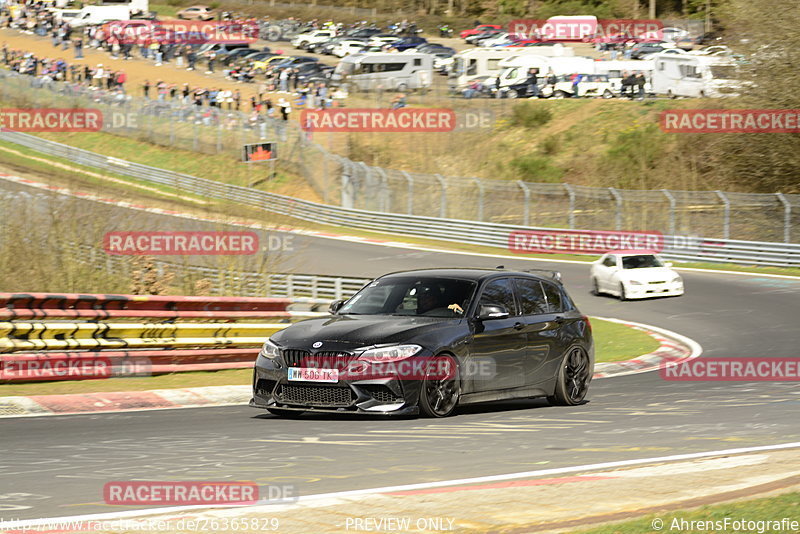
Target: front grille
(663, 282)
(336, 396)
(381, 393)
(318, 360)
(293, 357)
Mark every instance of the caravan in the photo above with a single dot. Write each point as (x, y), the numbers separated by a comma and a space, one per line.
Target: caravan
(694, 76)
(388, 71)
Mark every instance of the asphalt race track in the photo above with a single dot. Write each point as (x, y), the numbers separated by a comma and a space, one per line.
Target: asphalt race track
(57, 466)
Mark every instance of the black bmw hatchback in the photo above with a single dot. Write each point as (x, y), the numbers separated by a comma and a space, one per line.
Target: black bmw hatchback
(430, 340)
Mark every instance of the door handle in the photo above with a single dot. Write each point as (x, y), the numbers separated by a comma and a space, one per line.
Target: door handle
(560, 320)
(518, 326)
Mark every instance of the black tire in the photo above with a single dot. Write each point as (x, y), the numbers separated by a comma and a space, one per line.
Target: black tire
(622, 296)
(512, 93)
(402, 87)
(438, 397)
(560, 94)
(595, 287)
(286, 414)
(608, 94)
(572, 383)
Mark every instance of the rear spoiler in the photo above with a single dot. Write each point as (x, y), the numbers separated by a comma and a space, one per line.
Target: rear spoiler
(554, 275)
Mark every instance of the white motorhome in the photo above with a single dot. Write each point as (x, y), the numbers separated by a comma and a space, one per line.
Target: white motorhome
(515, 70)
(616, 69)
(388, 71)
(486, 62)
(91, 15)
(694, 76)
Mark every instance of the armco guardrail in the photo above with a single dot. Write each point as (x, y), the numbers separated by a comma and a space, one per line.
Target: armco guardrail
(685, 248)
(73, 336)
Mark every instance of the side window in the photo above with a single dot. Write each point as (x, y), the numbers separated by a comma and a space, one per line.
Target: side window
(531, 296)
(553, 295)
(500, 292)
(417, 62)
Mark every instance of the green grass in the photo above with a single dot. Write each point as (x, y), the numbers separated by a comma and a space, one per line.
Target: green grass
(766, 509)
(615, 342)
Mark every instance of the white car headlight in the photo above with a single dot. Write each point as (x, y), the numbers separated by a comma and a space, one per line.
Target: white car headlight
(677, 280)
(635, 283)
(390, 354)
(270, 350)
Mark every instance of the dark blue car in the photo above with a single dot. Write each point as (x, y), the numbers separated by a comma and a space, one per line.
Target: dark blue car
(409, 42)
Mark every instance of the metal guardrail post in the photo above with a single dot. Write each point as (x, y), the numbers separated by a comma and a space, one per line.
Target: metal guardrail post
(347, 184)
(618, 200)
(571, 193)
(526, 214)
(337, 289)
(443, 206)
(672, 205)
(410, 200)
(726, 221)
(480, 197)
(787, 218)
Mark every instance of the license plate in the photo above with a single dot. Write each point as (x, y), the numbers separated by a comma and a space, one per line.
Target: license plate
(305, 374)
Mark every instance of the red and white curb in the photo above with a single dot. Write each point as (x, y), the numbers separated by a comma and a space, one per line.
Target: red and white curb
(117, 401)
(673, 349)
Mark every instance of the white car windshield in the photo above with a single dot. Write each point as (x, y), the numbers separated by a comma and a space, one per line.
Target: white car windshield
(641, 261)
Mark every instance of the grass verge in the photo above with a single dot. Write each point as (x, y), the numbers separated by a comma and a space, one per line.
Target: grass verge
(765, 511)
(615, 342)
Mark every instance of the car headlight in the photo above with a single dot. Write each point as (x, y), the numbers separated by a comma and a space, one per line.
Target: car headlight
(677, 280)
(635, 283)
(270, 350)
(390, 354)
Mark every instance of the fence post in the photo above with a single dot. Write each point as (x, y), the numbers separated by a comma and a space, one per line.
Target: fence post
(726, 221)
(480, 197)
(672, 204)
(526, 217)
(337, 288)
(410, 193)
(571, 193)
(443, 206)
(383, 199)
(347, 194)
(618, 199)
(787, 218)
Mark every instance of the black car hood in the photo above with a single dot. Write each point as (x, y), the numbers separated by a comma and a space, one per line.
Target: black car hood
(347, 332)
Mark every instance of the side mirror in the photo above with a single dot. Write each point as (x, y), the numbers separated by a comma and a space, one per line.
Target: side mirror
(335, 306)
(492, 311)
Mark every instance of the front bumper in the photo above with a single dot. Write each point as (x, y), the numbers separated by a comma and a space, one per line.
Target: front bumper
(670, 289)
(272, 389)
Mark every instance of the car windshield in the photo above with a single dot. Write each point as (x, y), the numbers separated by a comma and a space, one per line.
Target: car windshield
(412, 296)
(641, 262)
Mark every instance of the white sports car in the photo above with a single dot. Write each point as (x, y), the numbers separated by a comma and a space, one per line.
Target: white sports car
(635, 275)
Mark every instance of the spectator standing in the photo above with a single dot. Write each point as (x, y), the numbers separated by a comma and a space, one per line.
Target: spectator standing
(78, 44)
(146, 89)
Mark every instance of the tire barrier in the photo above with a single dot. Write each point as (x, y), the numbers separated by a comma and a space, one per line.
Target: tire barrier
(48, 337)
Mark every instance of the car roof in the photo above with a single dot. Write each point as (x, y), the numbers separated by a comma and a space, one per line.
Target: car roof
(475, 274)
(632, 252)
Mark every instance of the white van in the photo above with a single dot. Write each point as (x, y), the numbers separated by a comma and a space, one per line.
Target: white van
(388, 71)
(515, 70)
(91, 15)
(486, 62)
(615, 70)
(694, 76)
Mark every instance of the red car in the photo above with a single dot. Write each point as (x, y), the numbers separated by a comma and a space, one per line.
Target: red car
(479, 29)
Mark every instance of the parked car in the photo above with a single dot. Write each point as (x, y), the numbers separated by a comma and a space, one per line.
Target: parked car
(479, 29)
(435, 48)
(589, 85)
(383, 39)
(478, 37)
(347, 47)
(407, 43)
(640, 49)
(429, 341)
(305, 40)
(196, 13)
(363, 33)
(635, 275)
